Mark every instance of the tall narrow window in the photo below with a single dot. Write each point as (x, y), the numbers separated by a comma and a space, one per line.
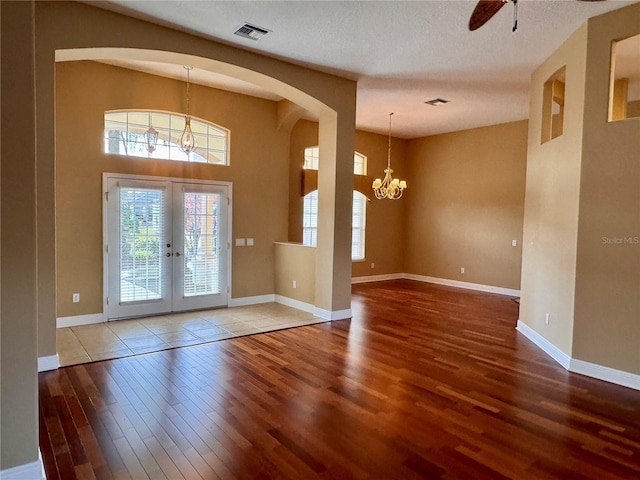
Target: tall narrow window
(310, 219)
(310, 208)
(126, 133)
(358, 225)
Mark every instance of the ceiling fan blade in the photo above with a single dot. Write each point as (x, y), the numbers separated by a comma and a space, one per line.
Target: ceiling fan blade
(485, 9)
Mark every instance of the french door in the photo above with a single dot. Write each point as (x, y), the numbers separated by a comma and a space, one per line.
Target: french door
(166, 246)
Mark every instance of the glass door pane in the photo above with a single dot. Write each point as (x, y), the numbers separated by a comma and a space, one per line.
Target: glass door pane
(141, 221)
(201, 258)
(200, 244)
(139, 240)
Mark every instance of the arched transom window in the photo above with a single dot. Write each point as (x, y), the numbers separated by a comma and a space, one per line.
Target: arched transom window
(125, 134)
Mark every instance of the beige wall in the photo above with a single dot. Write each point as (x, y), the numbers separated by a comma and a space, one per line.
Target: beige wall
(552, 201)
(384, 223)
(18, 241)
(464, 205)
(258, 169)
(295, 262)
(581, 261)
(633, 109)
(607, 298)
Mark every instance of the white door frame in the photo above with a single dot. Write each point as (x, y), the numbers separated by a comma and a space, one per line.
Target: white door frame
(105, 241)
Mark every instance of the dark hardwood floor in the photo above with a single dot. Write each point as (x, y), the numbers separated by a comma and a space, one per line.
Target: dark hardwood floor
(424, 382)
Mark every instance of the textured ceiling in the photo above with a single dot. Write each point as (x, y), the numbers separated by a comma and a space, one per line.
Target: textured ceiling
(401, 53)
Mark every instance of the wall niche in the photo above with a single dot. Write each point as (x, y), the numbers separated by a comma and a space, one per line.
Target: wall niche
(624, 87)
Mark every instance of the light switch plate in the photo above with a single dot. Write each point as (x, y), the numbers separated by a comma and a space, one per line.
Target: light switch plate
(249, 242)
(240, 242)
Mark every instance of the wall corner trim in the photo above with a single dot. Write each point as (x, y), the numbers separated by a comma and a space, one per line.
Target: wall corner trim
(77, 320)
(332, 315)
(468, 285)
(581, 367)
(51, 362)
(28, 471)
(243, 301)
(545, 345)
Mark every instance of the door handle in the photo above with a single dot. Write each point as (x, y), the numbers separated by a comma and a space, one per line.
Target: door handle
(178, 254)
(168, 254)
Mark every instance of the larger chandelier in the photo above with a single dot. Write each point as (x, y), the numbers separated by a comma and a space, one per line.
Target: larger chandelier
(187, 141)
(389, 187)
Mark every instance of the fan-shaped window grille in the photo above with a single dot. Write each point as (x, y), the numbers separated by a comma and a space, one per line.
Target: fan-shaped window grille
(125, 133)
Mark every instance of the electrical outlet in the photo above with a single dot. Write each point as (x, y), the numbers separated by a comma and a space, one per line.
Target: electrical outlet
(514, 243)
(462, 270)
(546, 318)
(373, 265)
(295, 284)
(76, 298)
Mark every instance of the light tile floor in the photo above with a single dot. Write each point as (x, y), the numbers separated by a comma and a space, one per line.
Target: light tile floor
(123, 338)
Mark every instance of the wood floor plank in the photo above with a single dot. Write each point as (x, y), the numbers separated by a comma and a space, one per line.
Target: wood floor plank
(425, 381)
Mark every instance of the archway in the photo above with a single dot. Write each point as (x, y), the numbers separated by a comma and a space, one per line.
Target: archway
(330, 98)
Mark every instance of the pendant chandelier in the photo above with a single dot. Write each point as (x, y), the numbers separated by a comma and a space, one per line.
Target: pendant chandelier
(187, 141)
(389, 187)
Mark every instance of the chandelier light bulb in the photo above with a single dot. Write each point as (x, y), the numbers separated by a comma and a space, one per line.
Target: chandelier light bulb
(187, 139)
(151, 137)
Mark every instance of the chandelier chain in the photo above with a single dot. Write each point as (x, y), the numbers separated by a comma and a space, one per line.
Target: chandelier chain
(389, 149)
(188, 93)
(187, 139)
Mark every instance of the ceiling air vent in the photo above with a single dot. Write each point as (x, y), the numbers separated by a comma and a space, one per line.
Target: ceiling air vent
(251, 31)
(437, 101)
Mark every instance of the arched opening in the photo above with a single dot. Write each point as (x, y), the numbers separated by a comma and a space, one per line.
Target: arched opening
(329, 98)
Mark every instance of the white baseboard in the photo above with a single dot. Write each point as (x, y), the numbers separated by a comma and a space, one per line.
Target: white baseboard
(291, 302)
(607, 374)
(51, 362)
(544, 344)
(574, 365)
(318, 312)
(468, 285)
(78, 320)
(377, 278)
(28, 471)
(244, 301)
(332, 315)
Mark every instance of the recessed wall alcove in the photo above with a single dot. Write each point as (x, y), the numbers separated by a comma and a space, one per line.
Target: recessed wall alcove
(624, 86)
(553, 105)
